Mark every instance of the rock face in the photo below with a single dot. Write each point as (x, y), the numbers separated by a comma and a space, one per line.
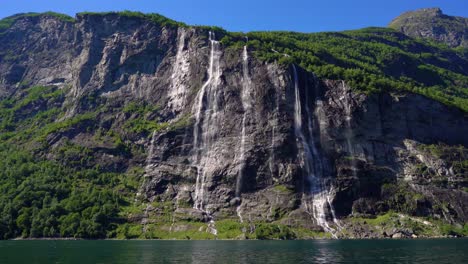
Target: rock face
(431, 23)
(244, 139)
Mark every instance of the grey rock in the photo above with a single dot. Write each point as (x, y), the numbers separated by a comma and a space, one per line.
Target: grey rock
(431, 23)
(363, 142)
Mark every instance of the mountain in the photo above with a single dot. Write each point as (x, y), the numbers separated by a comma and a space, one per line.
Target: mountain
(127, 125)
(431, 23)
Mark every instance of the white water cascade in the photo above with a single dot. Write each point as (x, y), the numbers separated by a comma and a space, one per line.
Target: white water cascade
(349, 130)
(273, 137)
(151, 151)
(205, 119)
(310, 161)
(205, 130)
(247, 107)
(247, 101)
(178, 92)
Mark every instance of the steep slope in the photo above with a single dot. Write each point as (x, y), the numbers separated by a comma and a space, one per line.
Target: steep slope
(431, 23)
(129, 125)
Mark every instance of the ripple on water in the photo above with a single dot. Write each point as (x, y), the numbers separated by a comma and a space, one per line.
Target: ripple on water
(316, 251)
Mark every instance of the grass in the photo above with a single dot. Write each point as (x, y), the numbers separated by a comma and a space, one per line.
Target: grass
(270, 231)
(282, 188)
(380, 220)
(181, 123)
(420, 226)
(230, 229)
(190, 231)
(140, 121)
(303, 233)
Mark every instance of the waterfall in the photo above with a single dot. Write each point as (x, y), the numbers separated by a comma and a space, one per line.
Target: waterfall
(239, 213)
(178, 92)
(205, 129)
(247, 99)
(310, 161)
(349, 130)
(151, 151)
(273, 135)
(247, 108)
(206, 123)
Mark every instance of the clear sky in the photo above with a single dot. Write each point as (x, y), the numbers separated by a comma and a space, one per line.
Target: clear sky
(251, 15)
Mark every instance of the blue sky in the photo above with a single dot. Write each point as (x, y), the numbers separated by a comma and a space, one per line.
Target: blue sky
(250, 15)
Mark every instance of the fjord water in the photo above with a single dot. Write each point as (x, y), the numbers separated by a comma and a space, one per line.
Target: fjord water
(317, 251)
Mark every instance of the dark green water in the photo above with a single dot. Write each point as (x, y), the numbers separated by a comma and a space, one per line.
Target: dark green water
(329, 251)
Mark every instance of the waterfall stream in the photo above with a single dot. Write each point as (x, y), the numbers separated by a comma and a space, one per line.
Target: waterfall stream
(247, 108)
(349, 130)
(151, 150)
(246, 98)
(177, 93)
(274, 128)
(310, 161)
(206, 128)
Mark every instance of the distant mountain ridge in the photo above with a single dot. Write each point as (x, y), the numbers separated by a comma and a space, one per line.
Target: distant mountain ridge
(433, 24)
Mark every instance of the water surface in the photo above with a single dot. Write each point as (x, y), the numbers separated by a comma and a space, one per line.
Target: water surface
(317, 251)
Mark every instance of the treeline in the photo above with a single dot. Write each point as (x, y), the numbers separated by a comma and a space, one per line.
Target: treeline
(40, 198)
(370, 60)
(68, 194)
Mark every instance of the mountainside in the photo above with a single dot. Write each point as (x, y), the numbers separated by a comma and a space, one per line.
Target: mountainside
(136, 126)
(431, 23)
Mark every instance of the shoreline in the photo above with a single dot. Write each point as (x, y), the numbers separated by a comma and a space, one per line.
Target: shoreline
(138, 239)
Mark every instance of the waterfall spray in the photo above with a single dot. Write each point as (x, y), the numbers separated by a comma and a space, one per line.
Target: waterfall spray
(349, 130)
(310, 161)
(205, 121)
(177, 93)
(206, 128)
(247, 106)
(246, 98)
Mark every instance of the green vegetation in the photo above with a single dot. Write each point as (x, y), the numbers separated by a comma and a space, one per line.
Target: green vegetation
(422, 227)
(370, 60)
(401, 198)
(70, 196)
(144, 126)
(380, 220)
(432, 20)
(41, 198)
(303, 233)
(183, 122)
(455, 156)
(227, 229)
(231, 229)
(155, 18)
(282, 189)
(61, 190)
(272, 231)
(187, 230)
(7, 22)
(24, 115)
(451, 230)
(429, 17)
(141, 119)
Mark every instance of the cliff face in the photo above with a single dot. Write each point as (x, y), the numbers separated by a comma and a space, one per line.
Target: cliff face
(431, 23)
(232, 137)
